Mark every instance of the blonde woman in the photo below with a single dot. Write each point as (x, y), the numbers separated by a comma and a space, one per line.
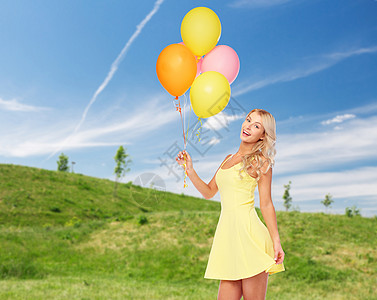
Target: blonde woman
(244, 251)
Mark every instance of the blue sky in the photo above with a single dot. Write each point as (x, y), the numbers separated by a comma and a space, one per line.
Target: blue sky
(79, 77)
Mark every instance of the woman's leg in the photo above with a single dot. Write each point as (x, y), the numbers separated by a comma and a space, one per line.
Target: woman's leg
(230, 290)
(255, 288)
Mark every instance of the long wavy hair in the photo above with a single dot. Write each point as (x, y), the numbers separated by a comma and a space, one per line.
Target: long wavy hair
(263, 150)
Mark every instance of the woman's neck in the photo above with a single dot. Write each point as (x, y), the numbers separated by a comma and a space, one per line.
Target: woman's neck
(244, 149)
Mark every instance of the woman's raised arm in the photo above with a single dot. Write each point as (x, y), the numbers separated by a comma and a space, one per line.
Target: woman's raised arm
(207, 190)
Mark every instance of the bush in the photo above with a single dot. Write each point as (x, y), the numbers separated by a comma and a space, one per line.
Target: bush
(352, 211)
(55, 209)
(143, 220)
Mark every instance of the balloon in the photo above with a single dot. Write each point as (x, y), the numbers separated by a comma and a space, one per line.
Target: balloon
(224, 60)
(176, 69)
(198, 64)
(200, 30)
(209, 94)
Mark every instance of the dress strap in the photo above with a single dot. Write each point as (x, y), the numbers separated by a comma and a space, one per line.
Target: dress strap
(226, 160)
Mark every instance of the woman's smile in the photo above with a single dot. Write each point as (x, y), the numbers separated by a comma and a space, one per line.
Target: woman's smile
(245, 133)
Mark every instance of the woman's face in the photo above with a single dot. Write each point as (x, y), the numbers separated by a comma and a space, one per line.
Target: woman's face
(252, 129)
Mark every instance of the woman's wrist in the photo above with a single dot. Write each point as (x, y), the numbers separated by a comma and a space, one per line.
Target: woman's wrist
(190, 171)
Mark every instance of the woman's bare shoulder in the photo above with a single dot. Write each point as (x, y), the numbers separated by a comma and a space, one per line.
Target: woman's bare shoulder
(225, 159)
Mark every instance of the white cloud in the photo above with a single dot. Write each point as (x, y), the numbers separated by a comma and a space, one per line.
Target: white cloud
(214, 141)
(357, 141)
(322, 63)
(28, 140)
(221, 120)
(349, 53)
(338, 119)
(340, 184)
(368, 109)
(14, 105)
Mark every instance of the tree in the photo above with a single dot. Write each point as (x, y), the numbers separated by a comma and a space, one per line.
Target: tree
(352, 211)
(63, 163)
(327, 201)
(121, 166)
(287, 197)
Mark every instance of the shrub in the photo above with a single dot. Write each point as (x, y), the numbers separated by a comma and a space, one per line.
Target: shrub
(143, 220)
(352, 211)
(55, 209)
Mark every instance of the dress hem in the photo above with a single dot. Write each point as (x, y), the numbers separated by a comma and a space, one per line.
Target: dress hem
(247, 276)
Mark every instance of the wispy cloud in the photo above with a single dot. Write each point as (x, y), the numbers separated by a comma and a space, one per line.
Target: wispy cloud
(214, 141)
(354, 52)
(113, 69)
(327, 148)
(338, 119)
(257, 3)
(14, 105)
(221, 120)
(319, 64)
(341, 184)
(27, 141)
(355, 186)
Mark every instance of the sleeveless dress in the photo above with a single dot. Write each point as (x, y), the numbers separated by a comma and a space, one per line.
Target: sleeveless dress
(242, 246)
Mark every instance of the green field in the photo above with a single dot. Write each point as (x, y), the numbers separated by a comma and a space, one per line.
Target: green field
(64, 236)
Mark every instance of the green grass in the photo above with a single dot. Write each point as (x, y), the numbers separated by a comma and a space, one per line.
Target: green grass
(147, 244)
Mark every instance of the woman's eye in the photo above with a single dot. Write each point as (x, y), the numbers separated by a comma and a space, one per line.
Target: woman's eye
(256, 126)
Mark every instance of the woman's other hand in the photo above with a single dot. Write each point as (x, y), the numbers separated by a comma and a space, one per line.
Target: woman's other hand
(181, 156)
(279, 254)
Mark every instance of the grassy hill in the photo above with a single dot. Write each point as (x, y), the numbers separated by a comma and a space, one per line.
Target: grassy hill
(31, 196)
(64, 236)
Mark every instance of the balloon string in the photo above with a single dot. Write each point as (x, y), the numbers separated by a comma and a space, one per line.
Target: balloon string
(198, 134)
(178, 108)
(184, 179)
(188, 123)
(187, 130)
(184, 119)
(184, 139)
(193, 130)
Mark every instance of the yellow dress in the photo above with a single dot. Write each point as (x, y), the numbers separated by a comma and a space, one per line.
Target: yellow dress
(242, 246)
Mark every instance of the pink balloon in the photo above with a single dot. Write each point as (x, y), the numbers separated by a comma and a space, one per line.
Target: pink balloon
(222, 59)
(198, 65)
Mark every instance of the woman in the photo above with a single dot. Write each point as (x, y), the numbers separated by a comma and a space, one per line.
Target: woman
(244, 251)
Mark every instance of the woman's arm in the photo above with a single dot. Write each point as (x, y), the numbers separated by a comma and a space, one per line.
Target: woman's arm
(207, 190)
(268, 211)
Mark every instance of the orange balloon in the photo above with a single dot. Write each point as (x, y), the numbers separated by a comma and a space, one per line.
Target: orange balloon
(176, 69)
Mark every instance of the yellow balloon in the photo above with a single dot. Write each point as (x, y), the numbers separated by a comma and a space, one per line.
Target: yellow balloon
(200, 30)
(209, 94)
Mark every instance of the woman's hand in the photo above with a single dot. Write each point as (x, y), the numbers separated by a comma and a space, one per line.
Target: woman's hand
(279, 254)
(181, 156)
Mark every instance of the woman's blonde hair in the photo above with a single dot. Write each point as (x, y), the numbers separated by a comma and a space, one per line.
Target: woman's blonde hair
(264, 150)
